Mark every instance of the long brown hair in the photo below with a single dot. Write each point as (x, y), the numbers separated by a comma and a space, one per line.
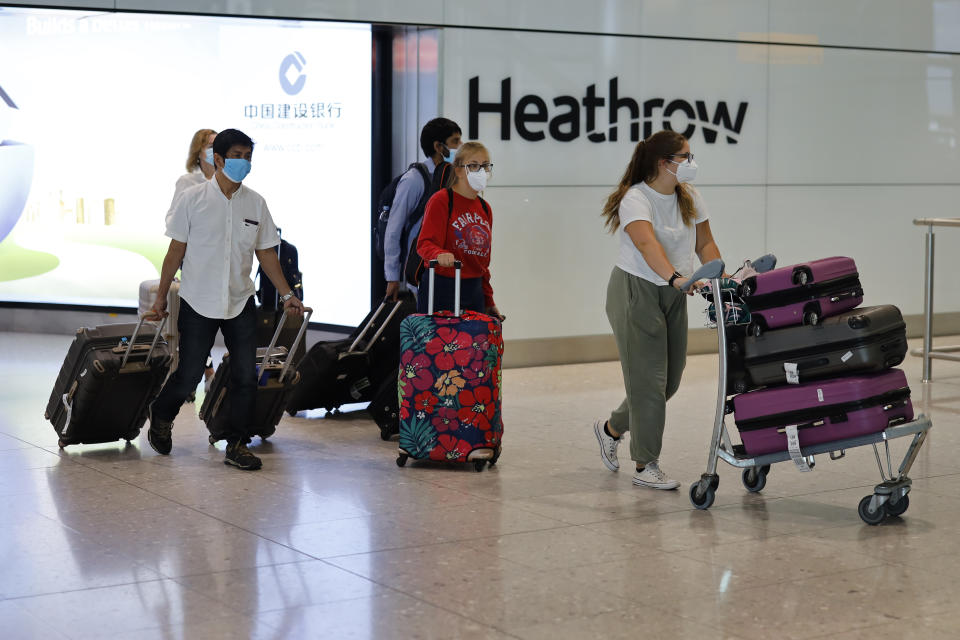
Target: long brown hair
(197, 144)
(643, 167)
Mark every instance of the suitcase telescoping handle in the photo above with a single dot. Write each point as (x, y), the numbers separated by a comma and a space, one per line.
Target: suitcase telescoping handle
(133, 339)
(307, 312)
(457, 266)
(373, 320)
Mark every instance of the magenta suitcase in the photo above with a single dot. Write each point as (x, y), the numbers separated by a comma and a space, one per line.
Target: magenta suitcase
(824, 411)
(802, 293)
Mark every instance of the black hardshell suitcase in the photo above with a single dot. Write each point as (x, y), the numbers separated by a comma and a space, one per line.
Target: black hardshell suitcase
(860, 341)
(385, 408)
(347, 371)
(276, 379)
(110, 375)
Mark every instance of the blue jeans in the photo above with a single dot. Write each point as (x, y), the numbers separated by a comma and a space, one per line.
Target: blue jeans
(197, 334)
(471, 294)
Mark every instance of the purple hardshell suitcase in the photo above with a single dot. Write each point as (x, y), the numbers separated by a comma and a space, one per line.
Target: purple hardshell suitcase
(824, 411)
(803, 293)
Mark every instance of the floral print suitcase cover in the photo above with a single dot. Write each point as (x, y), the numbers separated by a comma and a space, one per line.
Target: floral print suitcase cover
(449, 385)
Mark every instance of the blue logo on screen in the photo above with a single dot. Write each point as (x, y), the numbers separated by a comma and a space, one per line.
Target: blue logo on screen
(296, 61)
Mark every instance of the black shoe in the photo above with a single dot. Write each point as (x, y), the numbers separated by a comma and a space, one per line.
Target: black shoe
(160, 435)
(239, 456)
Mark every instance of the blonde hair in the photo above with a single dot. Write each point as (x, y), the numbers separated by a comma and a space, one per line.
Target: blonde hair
(643, 167)
(467, 149)
(197, 144)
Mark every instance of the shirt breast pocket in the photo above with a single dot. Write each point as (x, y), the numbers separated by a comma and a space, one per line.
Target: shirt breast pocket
(248, 234)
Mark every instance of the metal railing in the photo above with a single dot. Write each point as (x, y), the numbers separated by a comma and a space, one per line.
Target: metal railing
(929, 352)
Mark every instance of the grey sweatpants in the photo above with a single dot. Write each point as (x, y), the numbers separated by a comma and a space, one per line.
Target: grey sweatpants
(650, 327)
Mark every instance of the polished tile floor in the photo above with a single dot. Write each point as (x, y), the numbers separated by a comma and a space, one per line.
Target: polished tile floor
(332, 540)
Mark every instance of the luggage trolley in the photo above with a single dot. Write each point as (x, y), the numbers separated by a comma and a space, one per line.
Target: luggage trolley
(889, 498)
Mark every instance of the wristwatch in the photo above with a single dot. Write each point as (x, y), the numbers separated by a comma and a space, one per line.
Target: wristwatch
(673, 277)
(286, 297)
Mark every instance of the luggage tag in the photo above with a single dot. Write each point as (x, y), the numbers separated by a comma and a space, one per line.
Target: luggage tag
(793, 374)
(793, 446)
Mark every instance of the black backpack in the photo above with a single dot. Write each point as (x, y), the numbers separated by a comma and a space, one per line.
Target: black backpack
(267, 294)
(383, 211)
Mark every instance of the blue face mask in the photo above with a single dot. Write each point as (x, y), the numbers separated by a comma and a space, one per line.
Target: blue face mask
(208, 155)
(236, 169)
(450, 155)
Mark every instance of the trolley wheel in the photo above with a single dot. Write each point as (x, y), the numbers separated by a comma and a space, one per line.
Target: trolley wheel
(479, 464)
(801, 277)
(267, 433)
(292, 413)
(754, 479)
(402, 459)
(496, 456)
(755, 329)
(897, 509)
(385, 433)
(61, 443)
(811, 317)
(212, 439)
(870, 517)
(705, 501)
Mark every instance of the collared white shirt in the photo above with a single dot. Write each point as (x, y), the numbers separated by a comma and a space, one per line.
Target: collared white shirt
(221, 235)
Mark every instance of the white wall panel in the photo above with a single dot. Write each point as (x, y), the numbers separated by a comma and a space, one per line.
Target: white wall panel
(914, 24)
(865, 117)
(408, 11)
(69, 4)
(874, 226)
(689, 81)
(684, 18)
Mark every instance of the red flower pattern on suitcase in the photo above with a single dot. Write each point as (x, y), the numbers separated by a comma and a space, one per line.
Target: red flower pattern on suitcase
(449, 385)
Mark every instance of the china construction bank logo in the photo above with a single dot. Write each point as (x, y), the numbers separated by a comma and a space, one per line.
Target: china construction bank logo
(292, 77)
(569, 117)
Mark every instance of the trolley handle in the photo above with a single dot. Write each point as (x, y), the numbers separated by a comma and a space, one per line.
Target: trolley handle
(457, 265)
(150, 315)
(710, 271)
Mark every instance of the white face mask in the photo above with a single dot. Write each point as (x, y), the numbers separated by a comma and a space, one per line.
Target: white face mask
(686, 171)
(477, 180)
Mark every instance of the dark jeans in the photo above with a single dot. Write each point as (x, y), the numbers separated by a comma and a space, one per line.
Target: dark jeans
(471, 294)
(197, 334)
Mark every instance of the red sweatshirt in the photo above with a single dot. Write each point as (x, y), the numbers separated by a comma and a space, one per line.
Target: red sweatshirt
(467, 233)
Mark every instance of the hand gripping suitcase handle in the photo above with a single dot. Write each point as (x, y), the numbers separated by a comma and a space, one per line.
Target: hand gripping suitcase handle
(458, 266)
(307, 311)
(133, 338)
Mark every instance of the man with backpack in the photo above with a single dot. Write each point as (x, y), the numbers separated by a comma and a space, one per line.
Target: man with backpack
(439, 139)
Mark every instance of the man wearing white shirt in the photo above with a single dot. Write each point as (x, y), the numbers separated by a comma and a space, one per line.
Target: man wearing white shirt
(215, 228)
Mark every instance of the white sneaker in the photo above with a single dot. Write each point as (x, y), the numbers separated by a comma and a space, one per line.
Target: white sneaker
(653, 477)
(608, 446)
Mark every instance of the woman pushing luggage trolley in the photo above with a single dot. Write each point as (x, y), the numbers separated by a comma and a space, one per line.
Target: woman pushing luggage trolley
(841, 406)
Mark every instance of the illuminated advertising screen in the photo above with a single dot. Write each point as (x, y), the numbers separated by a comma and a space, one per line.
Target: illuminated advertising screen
(97, 111)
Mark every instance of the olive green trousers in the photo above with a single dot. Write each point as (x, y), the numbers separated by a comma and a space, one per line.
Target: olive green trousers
(650, 327)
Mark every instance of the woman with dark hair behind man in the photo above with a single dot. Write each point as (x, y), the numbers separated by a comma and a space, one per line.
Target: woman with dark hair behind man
(662, 223)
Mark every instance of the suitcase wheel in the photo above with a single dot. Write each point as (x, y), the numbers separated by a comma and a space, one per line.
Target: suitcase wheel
(755, 329)
(402, 459)
(496, 456)
(212, 440)
(811, 317)
(802, 276)
(62, 444)
(385, 433)
(479, 464)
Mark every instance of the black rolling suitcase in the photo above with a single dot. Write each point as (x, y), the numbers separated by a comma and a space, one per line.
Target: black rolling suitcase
(860, 341)
(385, 408)
(276, 378)
(109, 376)
(348, 371)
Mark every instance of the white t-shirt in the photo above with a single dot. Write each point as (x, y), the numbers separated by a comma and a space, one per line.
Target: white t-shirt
(221, 235)
(678, 240)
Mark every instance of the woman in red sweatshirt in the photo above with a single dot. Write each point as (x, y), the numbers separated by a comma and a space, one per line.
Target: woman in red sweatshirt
(458, 225)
